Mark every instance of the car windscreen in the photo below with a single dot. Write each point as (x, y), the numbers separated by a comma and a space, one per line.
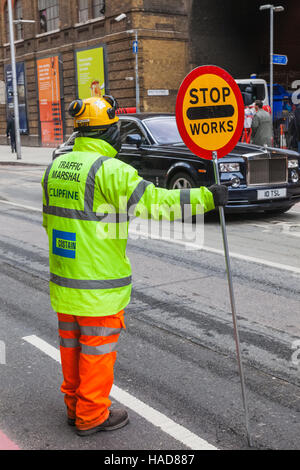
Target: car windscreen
(164, 130)
(257, 90)
(71, 139)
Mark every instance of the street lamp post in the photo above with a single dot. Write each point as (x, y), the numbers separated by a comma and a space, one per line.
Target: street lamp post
(273, 9)
(14, 79)
(14, 75)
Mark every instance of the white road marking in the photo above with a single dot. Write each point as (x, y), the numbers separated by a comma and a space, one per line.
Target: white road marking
(21, 205)
(192, 246)
(252, 259)
(39, 343)
(156, 418)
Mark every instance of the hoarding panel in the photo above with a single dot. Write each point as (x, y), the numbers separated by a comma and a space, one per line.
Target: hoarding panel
(48, 78)
(20, 71)
(90, 72)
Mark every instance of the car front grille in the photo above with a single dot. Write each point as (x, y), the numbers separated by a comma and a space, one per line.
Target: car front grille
(267, 171)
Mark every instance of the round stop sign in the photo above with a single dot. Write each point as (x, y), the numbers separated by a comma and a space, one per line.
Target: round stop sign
(210, 111)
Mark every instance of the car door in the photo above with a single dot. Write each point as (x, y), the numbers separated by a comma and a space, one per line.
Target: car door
(132, 153)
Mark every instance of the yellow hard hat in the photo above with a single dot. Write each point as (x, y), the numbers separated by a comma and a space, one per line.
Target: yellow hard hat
(94, 113)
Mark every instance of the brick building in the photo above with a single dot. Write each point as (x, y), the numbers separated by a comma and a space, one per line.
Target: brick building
(58, 55)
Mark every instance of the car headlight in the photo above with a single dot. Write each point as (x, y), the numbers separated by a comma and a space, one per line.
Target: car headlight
(229, 167)
(235, 182)
(293, 164)
(294, 176)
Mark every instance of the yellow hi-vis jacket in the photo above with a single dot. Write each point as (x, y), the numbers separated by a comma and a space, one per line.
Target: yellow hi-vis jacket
(87, 198)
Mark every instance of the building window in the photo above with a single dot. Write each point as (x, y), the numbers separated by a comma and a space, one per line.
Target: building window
(98, 8)
(88, 9)
(6, 23)
(49, 15)
(18, 16)
(83, 10)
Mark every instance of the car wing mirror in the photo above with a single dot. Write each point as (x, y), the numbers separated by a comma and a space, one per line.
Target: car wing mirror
(134, 139)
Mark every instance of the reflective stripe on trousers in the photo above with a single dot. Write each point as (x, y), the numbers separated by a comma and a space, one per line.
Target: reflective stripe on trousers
(88, 353)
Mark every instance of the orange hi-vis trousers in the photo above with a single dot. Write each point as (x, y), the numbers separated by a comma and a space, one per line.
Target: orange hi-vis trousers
(87, 348)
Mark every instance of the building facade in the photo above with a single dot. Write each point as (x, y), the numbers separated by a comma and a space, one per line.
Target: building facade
(80, 48)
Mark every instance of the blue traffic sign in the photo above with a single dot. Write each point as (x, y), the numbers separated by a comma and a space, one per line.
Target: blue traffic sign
(135, 47)
(280, 59)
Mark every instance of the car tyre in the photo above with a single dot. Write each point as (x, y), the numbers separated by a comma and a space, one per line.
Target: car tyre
(181, 180)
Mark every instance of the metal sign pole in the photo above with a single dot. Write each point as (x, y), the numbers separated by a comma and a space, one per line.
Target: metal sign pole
(137, 84)
(271, 62)
(232, 300)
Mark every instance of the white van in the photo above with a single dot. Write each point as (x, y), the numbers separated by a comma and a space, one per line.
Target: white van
(255, 88)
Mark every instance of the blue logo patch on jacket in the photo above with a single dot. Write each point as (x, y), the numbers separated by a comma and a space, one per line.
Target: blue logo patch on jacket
(64, 244)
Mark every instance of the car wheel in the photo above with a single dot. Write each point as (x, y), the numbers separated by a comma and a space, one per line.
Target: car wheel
(181, 181)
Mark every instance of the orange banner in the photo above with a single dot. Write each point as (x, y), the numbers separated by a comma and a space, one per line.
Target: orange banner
(49, 101)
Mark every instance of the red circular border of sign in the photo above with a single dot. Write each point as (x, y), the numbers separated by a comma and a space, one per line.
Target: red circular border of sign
(199, 151)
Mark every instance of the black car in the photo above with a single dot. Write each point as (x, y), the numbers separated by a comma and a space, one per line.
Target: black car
(259, 178)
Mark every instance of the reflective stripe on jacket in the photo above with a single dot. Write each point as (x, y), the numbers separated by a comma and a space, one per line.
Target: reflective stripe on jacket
(87, 199)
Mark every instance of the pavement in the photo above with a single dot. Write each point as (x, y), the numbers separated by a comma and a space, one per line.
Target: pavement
(40, 156)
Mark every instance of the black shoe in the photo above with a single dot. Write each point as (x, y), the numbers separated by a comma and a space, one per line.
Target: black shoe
(116, 420)
(71, 421)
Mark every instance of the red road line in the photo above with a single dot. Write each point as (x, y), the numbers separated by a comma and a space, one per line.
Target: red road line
(7, 444)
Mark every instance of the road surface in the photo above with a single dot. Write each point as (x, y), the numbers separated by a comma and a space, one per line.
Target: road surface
(176, 370)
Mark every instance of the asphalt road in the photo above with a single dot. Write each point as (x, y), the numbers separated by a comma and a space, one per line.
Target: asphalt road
(177, 356)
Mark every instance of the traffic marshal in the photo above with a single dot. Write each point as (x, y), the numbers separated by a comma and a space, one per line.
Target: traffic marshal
(210, 112)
